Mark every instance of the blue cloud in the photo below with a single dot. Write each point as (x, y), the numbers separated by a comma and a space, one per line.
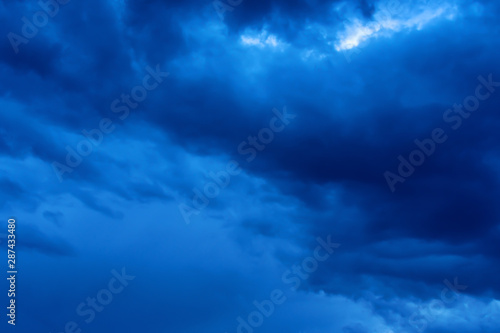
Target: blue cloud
(97, 154)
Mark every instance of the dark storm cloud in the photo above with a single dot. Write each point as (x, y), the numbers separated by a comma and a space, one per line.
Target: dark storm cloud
(321, 150)
(324, 175)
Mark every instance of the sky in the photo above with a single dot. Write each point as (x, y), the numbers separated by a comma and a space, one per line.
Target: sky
(246, 166)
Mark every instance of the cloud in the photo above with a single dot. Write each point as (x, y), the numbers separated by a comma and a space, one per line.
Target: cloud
(407, 66)
(32, 238)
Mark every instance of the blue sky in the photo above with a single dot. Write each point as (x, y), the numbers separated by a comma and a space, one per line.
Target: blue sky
(252, 166)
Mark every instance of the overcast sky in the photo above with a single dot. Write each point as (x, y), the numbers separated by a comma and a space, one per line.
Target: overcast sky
(301, 166)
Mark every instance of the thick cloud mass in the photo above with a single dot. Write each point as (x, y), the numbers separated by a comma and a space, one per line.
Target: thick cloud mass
(370, 123)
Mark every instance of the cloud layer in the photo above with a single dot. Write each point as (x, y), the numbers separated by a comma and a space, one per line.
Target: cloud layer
(99, 149)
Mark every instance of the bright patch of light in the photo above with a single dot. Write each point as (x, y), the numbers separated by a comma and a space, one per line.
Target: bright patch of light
(251, 41)
(389, 20)
(263, 39)
(271, 40)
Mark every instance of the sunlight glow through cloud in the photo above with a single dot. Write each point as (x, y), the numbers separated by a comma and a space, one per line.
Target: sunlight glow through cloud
(261, 40)
(387, 21)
